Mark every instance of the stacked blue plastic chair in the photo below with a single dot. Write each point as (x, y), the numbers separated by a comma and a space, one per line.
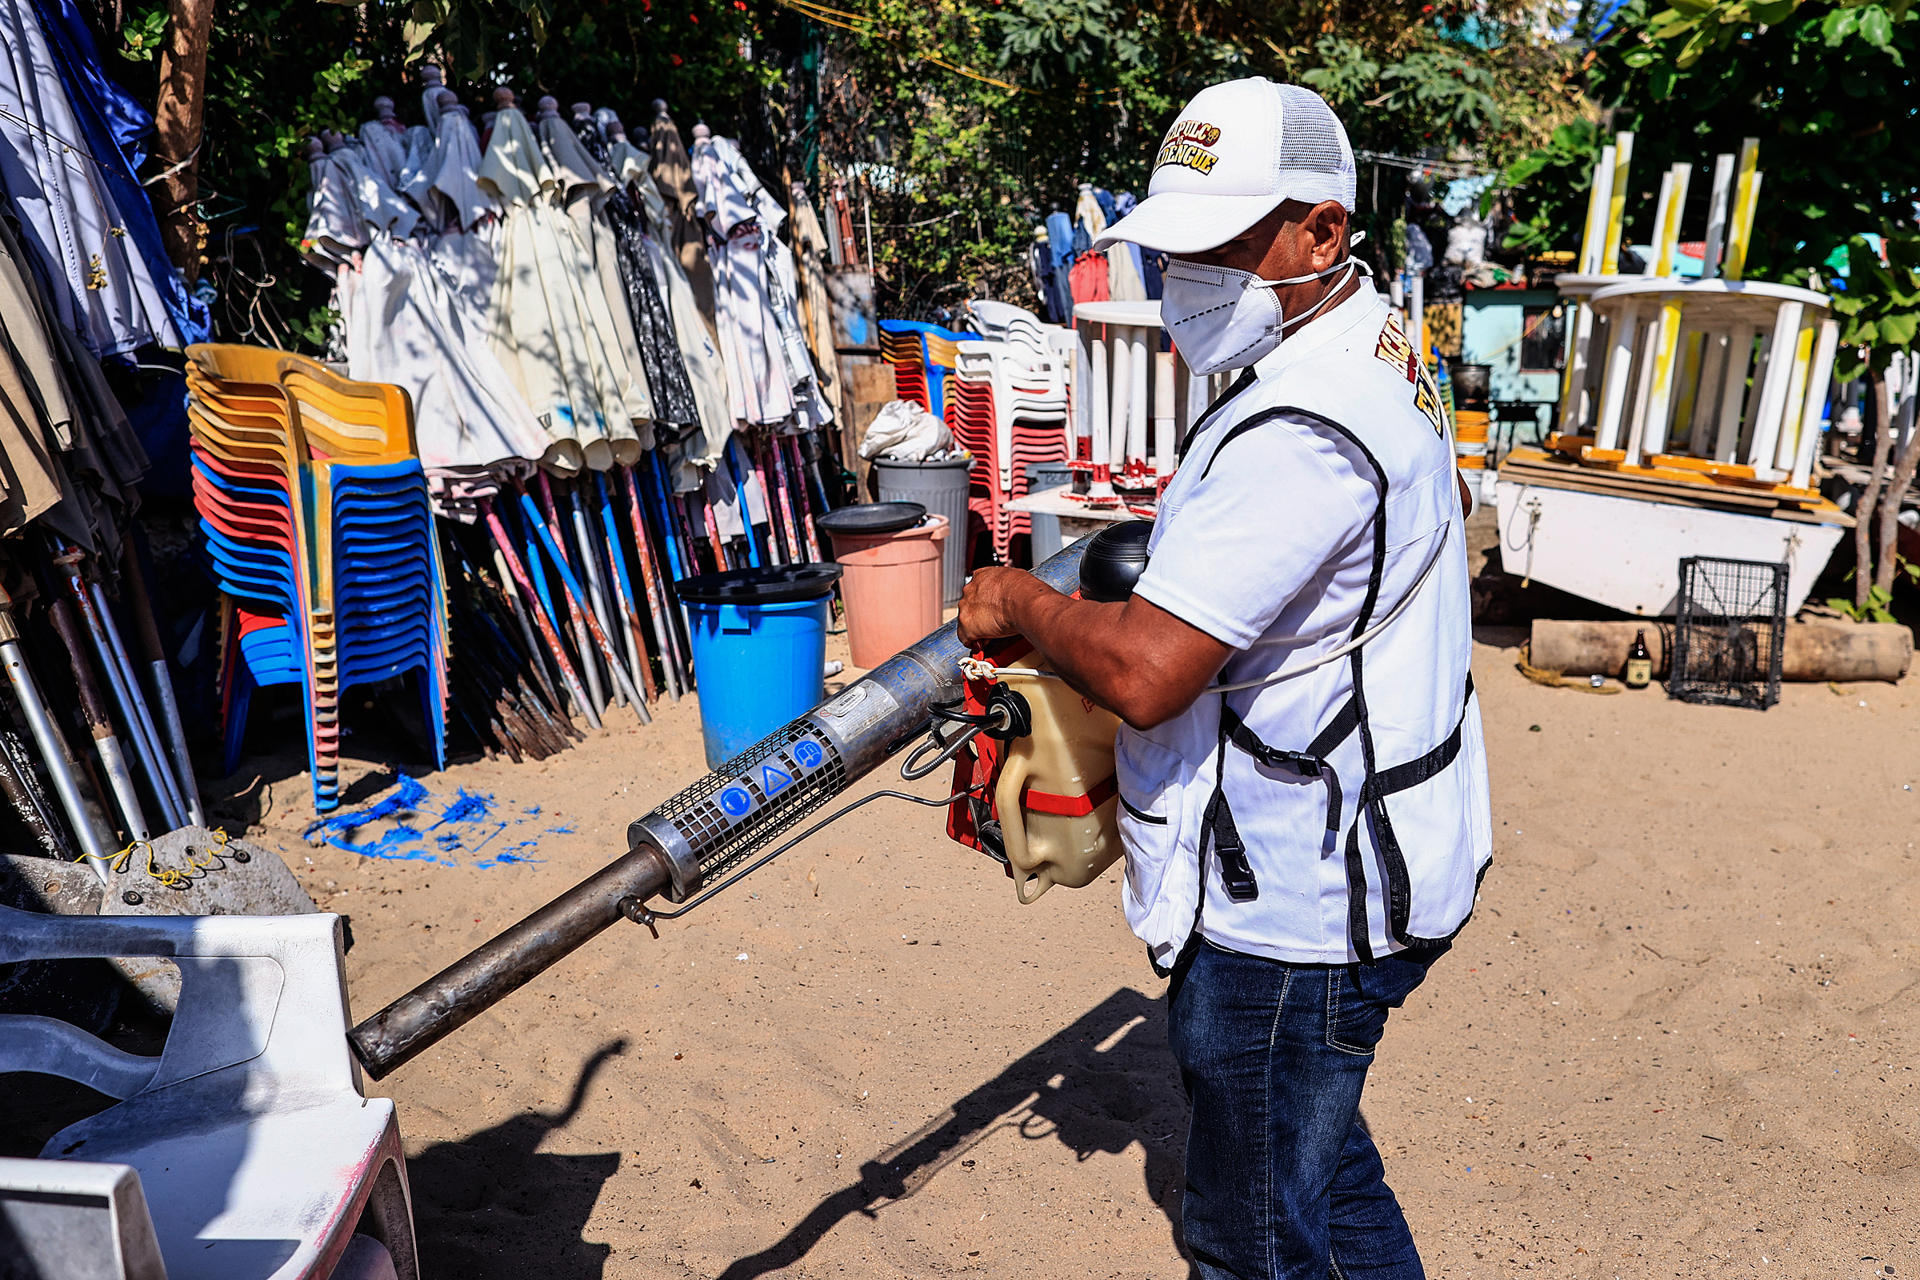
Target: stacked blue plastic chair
(317, 528)
(922, 355)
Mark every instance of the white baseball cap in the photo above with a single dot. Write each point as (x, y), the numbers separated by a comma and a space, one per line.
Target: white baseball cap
(1236, 152)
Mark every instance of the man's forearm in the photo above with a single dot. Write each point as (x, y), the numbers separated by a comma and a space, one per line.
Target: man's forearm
(1077, 638)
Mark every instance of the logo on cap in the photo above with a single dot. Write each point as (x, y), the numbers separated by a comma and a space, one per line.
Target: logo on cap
(1186, 144)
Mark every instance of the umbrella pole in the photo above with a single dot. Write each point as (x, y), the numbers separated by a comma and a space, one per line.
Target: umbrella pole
(676, 570)
(590, 564)
(148, 735)
(23, 792)
(103, 649)
(548, 534)
(543, 588)
(538, 661)
(746, 508)
(805, 500)
(93, 709)
(140, 603)
(650, 577)
(53, 750)
(543, 616)
(637, 660)
(779, 532)
(574, 594)
(536, 657)
(789, 507)
(713, 533)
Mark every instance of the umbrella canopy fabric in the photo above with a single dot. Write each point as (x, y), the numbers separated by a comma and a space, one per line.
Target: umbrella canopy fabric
(544, 321)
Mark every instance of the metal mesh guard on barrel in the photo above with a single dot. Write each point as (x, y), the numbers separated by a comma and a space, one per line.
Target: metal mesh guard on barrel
(721, 840)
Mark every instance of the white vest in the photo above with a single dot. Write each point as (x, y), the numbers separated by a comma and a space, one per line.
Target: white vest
(1344, 814)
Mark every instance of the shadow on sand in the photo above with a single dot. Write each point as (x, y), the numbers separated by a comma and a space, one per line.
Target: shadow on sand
(1097, 1086)
(494, 1205)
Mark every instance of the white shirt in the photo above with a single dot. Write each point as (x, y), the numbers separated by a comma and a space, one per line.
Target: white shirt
(1272, 547)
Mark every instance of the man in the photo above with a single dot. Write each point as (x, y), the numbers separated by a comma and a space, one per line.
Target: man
(1302, 777)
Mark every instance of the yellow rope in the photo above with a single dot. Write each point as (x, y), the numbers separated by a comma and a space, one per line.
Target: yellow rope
(170, 877)
(1556, 679)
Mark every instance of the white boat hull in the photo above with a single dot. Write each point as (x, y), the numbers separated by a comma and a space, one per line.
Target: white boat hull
(1625, 552)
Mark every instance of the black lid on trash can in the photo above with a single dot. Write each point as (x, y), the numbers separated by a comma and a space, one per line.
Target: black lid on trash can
(870, 518)
(760, 586)
(1116, 557)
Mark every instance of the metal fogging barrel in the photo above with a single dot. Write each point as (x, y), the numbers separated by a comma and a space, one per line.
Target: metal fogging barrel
(698, 836)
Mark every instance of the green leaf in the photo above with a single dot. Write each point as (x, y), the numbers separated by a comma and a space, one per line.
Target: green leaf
(1671, 23)
(1876, 28)
(1690, 52)
(1771, 12)
(1899, 330)
(1838, 25)
(417, 35)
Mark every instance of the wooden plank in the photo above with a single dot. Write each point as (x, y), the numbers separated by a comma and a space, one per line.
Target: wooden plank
(1730, 492)
(1702, 499)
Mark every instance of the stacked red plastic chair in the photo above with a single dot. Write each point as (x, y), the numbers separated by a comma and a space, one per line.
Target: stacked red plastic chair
(922, 355)
(316, 528)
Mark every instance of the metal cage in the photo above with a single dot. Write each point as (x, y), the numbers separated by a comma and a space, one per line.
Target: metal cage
(1728, 632)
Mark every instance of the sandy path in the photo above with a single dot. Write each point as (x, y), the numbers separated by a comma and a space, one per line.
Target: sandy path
(1677, 1039)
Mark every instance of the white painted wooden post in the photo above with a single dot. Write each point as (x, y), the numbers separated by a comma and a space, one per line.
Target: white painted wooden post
(1646, 359)
(1786, 449)
(1118, 406)
(1662, 211)
(1713, 364)
(1083, 376)
(1659, 396)
(1773, 388)
(1717, 215)
(1140, 366)
(1613, 383)
(1163, 423)
(1733, 388)
(1817, 380)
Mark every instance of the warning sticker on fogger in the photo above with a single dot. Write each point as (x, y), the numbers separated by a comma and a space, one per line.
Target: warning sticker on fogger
(858, 710)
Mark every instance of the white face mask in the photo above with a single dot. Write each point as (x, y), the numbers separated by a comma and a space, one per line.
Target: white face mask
(1221, 318)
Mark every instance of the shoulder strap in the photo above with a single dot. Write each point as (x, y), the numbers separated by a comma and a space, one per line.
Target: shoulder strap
(1246, 379)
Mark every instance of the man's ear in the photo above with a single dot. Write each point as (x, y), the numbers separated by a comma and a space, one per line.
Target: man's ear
(1329, 225)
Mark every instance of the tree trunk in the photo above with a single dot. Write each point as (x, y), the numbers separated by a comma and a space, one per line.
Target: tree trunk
(177, 118)
(1815, 650)
(1885, 562)
(1870, 496)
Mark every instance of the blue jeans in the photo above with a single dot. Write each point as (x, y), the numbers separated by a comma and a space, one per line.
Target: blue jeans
(1283, 1182)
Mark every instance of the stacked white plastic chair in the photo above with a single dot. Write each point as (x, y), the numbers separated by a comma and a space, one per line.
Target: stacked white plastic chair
(1009, 406)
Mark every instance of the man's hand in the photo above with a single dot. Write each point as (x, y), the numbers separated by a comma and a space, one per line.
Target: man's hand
(1135, 659)
(987, 606)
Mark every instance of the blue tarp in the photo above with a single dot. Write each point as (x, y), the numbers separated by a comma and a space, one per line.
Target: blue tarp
(115, 125)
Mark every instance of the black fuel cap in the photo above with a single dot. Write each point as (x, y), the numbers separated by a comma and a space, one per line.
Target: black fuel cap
(1116, 557)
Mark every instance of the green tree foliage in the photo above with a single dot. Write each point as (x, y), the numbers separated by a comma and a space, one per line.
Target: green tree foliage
(1828, 88)
(963, 121)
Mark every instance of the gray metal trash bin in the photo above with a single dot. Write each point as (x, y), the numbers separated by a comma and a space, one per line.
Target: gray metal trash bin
(940, 487)
(1042, 476)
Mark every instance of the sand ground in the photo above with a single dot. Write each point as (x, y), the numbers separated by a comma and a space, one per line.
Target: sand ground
(1676, 1040)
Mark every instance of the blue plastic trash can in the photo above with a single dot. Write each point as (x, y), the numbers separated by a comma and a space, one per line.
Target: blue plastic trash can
(759, 650)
